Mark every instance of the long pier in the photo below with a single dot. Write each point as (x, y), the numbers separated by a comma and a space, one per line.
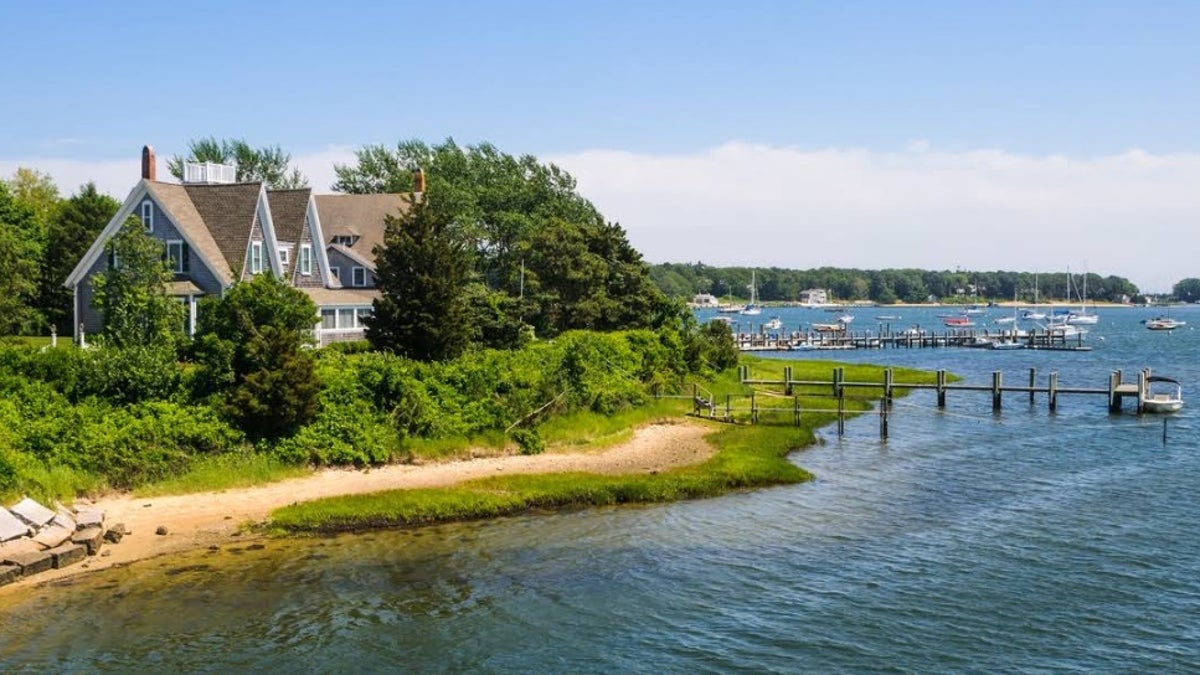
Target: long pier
(1116, 391)
(911, 338)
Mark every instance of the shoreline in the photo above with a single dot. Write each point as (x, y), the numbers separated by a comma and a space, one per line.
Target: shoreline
(201, 520)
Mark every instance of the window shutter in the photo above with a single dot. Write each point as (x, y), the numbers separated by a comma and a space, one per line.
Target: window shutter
(187, 265)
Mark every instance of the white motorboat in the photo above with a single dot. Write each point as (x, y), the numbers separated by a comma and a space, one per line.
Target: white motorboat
(1162, 395)
(1164, 323)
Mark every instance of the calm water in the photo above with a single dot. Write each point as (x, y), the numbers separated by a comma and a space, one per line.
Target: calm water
(1024, 542)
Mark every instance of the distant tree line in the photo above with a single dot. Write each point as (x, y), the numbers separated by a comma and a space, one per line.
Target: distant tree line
(684, 280)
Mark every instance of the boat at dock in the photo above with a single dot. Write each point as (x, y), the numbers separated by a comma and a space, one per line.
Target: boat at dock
(775, 323)
(1162, 395)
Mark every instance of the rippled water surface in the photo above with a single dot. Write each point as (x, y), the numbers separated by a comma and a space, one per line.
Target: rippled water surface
(969, 542)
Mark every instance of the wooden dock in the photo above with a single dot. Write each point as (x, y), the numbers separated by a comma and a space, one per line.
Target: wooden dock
(1116, 389)
(911, 338)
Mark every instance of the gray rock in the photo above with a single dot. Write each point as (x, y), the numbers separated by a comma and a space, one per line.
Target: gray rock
(115, 533)
(31, 563)
(162, 530)
(32, 512)
(53, 535)
(11, 527)
(92, 538)
(67, 554)
(9, 574)
(23, 545)
(89, 518)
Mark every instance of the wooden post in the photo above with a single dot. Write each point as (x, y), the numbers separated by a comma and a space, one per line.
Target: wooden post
(997, 389)
(787, 380)
(753, 409)
(841, 414)
(1142, 384)
(728, 408)
(888, 379)
(796, 410)
(1114, 401)
(695, 399)
(941, 389)
(1032, 383)
(1052, 390)
(883, 419)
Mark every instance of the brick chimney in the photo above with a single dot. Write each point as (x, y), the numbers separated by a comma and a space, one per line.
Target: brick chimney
(149, 166)
(418, 180)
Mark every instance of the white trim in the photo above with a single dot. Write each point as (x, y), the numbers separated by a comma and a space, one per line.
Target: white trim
(335, 272)
(354, 274)
(265, 221)
(317, 236)
(147, 214)
(304, 261)
(255, 259)
(97, 247)
(178, 267)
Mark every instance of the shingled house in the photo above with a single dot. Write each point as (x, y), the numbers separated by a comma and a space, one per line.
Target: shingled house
(216, 231)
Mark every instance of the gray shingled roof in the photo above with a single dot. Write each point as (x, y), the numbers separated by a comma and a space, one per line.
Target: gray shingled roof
(361, 216)
(229, 211)
(288, 208)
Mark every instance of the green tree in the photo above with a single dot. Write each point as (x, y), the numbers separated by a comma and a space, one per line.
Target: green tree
(132, 292)
(252, 343)
(1187, 290)
(71, 230)
(18, 265)
(422, 269)
(507, 208)
(269, 164)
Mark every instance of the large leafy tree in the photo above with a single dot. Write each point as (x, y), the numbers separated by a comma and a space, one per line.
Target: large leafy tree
(1187, 290)
(132, 292)
(422, 269)
(252, 343)
(269, 164)
(71, 230)
(506, 207)
(18, 264)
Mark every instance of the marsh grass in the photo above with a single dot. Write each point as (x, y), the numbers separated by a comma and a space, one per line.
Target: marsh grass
(748, 456)
(224, 472)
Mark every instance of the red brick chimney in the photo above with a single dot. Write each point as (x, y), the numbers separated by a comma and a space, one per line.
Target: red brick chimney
(149, 166)
(418, 180)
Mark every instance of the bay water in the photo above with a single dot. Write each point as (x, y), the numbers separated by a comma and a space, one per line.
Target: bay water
(1023, 541)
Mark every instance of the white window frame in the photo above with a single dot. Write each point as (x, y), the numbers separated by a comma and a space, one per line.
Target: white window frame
(256, 257)
(305, 259)
(177, 268)
(335, 272)
(147, 214)
(283, 257)
(358, 277)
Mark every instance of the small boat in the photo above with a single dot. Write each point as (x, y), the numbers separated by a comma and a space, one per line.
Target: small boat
(1162, 395)
(753, 308)
(887, 317)
(1164, 323)
(750, 310)
(731, 309)
(845, 318)
(829, 327)
(775, 323)
(1033, 315)
(959, 322)
(1005, 320)
(1007, 343)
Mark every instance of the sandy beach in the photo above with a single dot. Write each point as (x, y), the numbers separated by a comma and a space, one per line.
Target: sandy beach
(206, 519)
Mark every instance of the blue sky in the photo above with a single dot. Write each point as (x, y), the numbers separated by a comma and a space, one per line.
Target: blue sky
(871, 134)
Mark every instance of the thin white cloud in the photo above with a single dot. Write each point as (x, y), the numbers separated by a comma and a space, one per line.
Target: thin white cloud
(1133, 214)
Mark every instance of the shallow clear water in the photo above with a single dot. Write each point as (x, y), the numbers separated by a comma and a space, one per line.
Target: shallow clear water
(969, 542)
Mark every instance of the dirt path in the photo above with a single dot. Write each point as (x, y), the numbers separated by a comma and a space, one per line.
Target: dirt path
(214, 518)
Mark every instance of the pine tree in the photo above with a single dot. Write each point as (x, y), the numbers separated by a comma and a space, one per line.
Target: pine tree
(68, 236)
(422, 270)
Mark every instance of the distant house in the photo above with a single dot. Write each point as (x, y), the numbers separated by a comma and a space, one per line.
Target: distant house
(814, 296)
(705, 300)
(216, 231)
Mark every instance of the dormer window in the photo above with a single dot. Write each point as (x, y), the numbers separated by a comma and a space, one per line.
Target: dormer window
(359, 276)
(147, 215)
(345, 239)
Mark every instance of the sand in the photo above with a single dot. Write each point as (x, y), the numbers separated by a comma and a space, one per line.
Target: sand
(201, 520)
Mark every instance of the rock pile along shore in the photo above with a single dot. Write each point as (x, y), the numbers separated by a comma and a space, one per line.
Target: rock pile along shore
(34, 538)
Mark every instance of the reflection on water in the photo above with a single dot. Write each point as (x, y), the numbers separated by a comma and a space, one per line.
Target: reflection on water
(968, 542)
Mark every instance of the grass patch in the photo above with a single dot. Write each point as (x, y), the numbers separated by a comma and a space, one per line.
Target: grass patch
(748, 456)
(224, 472)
